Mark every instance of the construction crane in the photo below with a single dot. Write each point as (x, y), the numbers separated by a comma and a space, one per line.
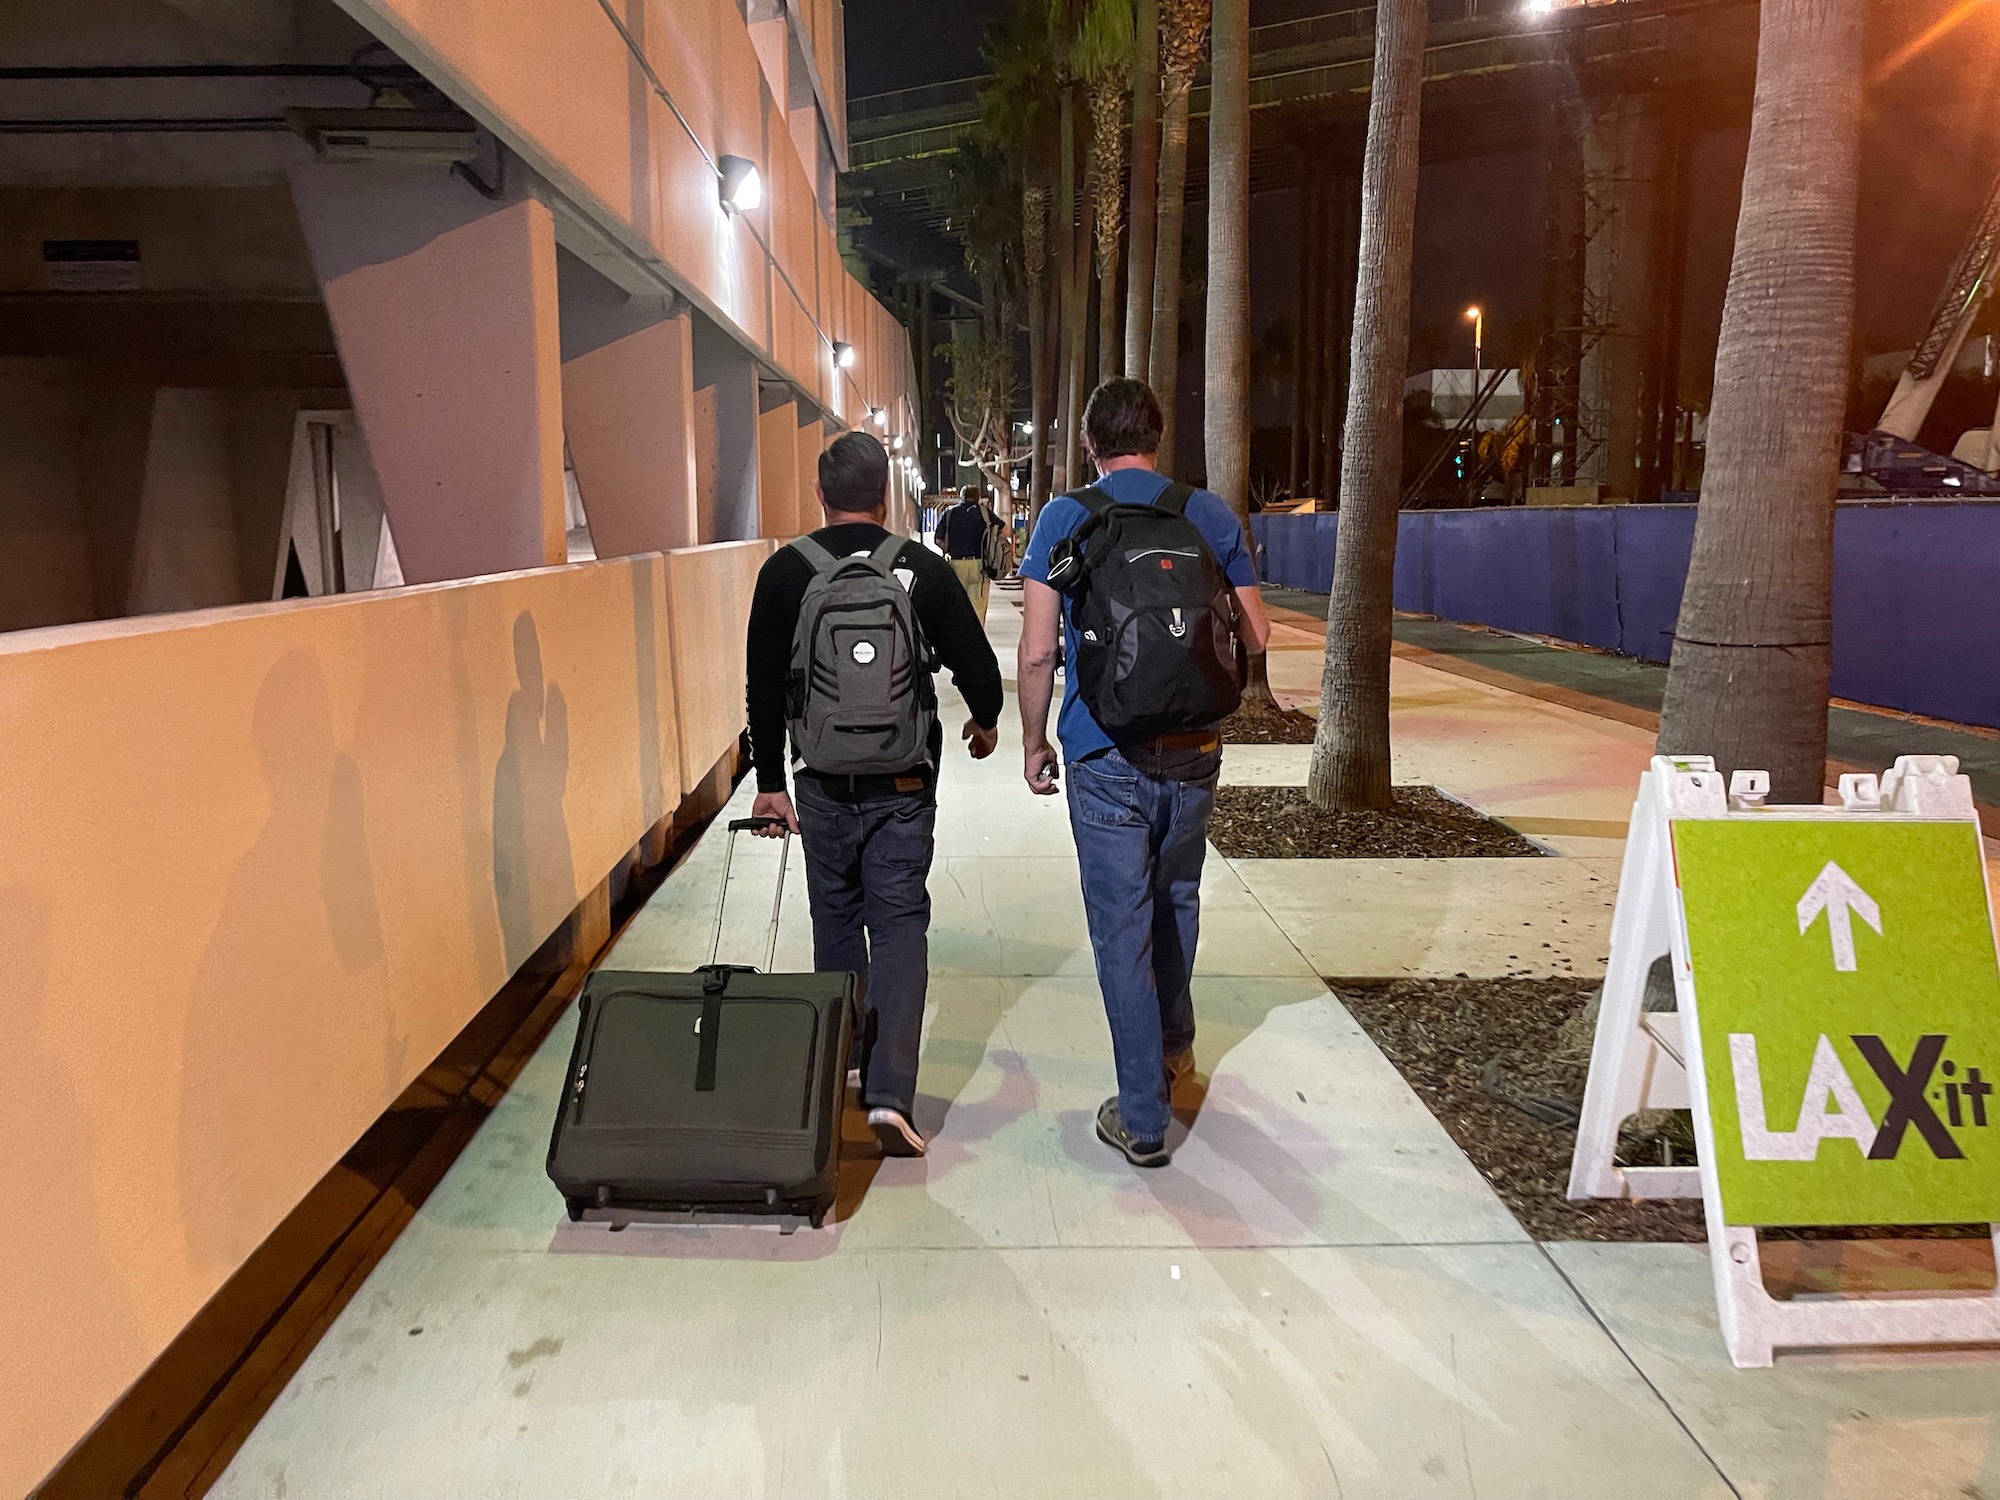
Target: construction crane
(1958, 305)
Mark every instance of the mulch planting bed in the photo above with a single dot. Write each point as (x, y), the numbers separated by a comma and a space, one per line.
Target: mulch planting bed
(1263, 722)
(1445, 1035)
(1277, 822)
(1495, 1063)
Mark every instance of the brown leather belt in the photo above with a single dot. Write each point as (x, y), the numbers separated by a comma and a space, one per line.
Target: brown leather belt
(1185, 739)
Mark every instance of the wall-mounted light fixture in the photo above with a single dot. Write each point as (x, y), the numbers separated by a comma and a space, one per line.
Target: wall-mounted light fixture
(881, 416)
(843, 355)
(896, 442)
(742, 185)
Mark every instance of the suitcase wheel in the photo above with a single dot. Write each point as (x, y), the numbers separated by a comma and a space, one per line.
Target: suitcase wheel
(576, 1206)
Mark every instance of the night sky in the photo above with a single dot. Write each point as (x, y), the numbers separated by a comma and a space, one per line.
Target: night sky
(1931, 147)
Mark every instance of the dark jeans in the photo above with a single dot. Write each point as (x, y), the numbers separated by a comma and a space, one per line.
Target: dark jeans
(1140, 841)
(868, 862)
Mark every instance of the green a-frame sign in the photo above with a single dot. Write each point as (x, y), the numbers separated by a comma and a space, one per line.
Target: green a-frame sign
(1836, 1032)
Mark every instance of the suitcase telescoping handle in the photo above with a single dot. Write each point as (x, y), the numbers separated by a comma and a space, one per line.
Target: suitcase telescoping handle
(736, 826)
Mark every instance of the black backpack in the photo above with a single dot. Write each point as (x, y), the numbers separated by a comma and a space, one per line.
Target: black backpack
(1157, 649)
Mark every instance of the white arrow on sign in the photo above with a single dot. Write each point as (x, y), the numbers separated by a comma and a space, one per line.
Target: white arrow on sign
(1834, 892)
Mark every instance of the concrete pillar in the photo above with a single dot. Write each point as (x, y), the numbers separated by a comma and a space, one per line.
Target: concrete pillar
(262, 428)
(44, 536)
(725, 415)
(629, 411)
(1559, 352)
(778, 467)
(184, 545)
(444, 307)
(1621, 150)
(111, 475)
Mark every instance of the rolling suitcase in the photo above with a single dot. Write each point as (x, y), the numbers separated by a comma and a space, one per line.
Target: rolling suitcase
(717, 1091)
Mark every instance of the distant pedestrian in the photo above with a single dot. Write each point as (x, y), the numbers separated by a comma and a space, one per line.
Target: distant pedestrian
(969, 534)
(842, 627)
(1158, 602)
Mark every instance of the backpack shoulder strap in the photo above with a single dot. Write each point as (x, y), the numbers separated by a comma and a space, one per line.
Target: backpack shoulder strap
(885, 555)
(1092, 499)
(822, 561)
(1174, 498)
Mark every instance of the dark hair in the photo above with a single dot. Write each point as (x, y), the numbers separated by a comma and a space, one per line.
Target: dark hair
(1123, 418)
(854, 474)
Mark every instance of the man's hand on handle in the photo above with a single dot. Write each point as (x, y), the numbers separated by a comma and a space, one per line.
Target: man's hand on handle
(980, 742)
(776, 805)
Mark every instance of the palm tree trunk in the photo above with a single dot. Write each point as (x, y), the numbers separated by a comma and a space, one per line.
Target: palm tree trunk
(1226, 370)
(1067, 311)
(1226, 367)
(1107, 150)
(1350, 759)
(1145, 189)
(1752, 653)
(1035, 262)
(1052, 372)
(1076, 337)
(1164, 344)
(1107, 318)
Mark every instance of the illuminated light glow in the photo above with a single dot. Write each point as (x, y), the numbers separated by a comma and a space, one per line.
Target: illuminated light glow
(1947, 22)
(1474, 313)
(742, 185)
(896, 442)
(843, 355)
(881, 416)
(1540, 7)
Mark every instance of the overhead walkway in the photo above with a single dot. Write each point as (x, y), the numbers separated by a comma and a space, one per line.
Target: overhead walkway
(1320, 1297)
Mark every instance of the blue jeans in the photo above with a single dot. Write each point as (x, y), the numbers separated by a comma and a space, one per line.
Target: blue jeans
(1140, 841)
(868, 864)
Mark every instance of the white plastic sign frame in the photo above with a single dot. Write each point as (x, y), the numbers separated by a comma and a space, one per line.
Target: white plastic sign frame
(1653, 1061)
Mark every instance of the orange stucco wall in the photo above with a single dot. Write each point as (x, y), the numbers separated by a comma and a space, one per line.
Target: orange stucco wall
(257, 867)
(556, 81)
(710, 589)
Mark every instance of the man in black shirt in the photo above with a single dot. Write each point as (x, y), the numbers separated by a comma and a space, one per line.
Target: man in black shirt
(868, 839)
(961, 536)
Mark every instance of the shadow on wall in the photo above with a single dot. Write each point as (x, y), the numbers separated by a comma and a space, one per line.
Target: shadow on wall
(48, 1174)
(289, 1026)
(645, 637)
(534, 881)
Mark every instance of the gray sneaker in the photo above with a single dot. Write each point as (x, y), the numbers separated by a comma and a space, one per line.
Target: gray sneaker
(1111, 1130)
(898, 1137)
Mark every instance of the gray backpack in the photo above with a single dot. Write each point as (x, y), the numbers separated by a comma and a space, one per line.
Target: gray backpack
(859, 698)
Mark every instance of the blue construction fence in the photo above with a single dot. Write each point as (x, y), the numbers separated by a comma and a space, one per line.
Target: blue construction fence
(1916, 586)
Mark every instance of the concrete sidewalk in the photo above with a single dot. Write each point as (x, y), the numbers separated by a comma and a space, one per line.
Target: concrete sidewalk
(1320, 1297)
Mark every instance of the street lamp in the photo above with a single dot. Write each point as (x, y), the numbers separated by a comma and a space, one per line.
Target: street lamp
(1478, 316)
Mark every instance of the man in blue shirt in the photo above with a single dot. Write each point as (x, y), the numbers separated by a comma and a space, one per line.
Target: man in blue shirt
(1138, 810)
